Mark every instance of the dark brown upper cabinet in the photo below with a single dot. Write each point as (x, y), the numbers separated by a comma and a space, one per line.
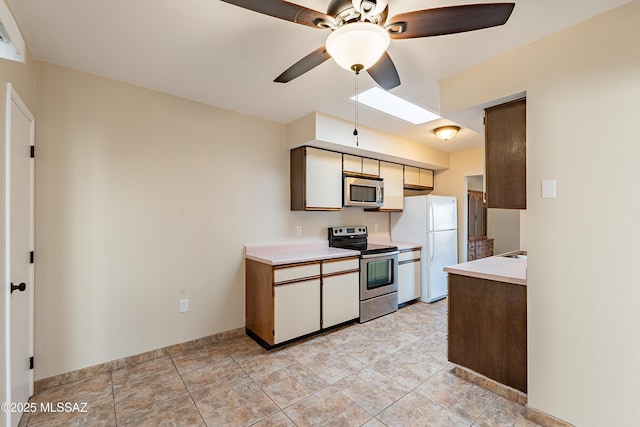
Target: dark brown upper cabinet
(506, 155)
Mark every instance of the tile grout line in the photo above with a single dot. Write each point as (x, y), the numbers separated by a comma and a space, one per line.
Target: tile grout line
(113, 397)
(274, 402)
(188, 391)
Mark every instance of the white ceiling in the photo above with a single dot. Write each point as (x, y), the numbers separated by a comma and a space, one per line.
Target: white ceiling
(220, 54)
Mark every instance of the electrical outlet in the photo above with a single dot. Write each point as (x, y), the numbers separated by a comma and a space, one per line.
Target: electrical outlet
(298, 230)
(375, 228)
(184, 305)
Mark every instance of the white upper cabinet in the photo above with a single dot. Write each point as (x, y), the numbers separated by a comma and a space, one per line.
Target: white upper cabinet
(426, 178)
(360, 165)
(392, 173)
(316, 179)
(351, 163)
(417, 178)
(370, 166)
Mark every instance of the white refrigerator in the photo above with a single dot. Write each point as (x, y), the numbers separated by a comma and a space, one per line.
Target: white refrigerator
(432, 222)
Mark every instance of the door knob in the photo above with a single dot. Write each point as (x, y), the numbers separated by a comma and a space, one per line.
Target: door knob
(21, 287)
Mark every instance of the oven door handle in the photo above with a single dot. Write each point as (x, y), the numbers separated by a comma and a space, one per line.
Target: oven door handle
(380, 255)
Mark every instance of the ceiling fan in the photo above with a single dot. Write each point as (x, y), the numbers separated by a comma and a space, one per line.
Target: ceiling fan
(361, 35)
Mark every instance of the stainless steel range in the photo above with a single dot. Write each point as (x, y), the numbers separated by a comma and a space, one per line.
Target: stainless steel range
(378, 271)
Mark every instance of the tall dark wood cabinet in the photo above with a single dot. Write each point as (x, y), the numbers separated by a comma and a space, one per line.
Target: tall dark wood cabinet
(478, 246)
(506, 155)
(477, 215)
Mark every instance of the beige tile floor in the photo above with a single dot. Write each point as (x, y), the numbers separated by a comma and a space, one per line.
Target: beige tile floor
(392, 371)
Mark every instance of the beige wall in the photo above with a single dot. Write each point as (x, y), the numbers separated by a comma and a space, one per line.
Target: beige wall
(503, 225)
(452, 182)
(143, 199)
(372, 143)
(21, 77)
(583, 87)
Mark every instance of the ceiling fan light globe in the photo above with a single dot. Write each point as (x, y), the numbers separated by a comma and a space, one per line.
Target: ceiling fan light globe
(359, 43)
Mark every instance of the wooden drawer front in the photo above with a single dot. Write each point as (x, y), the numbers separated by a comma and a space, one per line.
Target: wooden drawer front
(288, 274)
(330, 267)
(409, 255)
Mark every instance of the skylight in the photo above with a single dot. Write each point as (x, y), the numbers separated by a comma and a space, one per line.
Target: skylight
(12, 45)
(395, 106)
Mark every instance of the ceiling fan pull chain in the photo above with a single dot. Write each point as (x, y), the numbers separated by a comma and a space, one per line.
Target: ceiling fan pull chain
(355, 130)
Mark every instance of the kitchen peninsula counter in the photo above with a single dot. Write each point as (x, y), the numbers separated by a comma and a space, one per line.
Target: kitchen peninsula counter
(488, 318)
(500, 269)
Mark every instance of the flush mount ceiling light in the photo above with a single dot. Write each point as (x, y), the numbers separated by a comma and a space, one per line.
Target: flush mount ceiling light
(358, 46)
(445, 133)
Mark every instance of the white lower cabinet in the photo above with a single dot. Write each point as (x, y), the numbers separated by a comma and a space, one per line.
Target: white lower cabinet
(408, 276)
(340, 298)
(289, 301)
(296, 309)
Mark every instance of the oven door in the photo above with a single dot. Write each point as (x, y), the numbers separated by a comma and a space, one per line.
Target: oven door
(378, 274)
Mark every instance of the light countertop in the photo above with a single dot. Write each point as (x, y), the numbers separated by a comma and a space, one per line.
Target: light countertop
(406, 246)
(296, 252)
(402, 246)
(291, 253)
(509, 270)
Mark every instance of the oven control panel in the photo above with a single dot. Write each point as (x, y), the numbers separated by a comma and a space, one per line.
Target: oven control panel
(359, 231)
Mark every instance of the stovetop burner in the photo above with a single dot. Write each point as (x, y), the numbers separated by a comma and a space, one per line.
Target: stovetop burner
(356, 238)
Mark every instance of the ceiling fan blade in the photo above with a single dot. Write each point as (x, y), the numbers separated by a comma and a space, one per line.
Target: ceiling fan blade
(449, 20)
(307, 63)
(384, 73)
(285, 10)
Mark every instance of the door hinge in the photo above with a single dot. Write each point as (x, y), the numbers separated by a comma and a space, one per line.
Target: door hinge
(31, 257)
(33, 151)
(31, 362)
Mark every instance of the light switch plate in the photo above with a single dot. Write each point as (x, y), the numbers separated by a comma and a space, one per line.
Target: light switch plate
(548, 189)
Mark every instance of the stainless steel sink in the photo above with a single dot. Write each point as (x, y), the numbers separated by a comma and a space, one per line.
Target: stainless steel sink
(514, 254)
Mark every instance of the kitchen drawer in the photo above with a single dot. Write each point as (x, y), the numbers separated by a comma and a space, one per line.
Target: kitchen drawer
(298, 272)
(409, 255)
(330, 267)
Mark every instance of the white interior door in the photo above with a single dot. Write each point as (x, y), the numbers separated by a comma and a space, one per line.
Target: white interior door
(19, 230)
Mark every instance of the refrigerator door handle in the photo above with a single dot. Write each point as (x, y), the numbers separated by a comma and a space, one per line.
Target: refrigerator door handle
(431, 219)
(431, 245)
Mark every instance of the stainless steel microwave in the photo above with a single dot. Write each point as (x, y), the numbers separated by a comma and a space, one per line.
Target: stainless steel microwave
(363, 192)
